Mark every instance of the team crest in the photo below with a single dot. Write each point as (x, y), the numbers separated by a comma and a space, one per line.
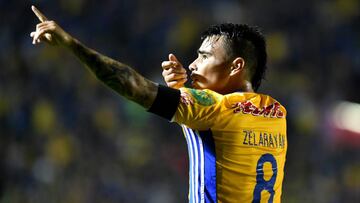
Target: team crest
(202, 97)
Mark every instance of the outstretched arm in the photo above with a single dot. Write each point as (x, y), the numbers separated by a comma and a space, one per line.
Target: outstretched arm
(118, 76)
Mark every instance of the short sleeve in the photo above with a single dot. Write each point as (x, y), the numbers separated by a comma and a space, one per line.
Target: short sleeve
(198, 109)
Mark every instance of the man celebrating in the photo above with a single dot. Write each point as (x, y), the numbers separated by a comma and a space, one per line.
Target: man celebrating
(236, 138)
(231, 61)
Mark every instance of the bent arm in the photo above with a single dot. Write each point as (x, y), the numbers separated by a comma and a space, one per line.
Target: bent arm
(118, 76)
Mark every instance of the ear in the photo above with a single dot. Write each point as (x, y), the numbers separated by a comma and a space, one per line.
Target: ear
(237, 66)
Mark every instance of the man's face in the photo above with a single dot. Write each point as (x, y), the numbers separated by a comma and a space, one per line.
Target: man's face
(211, 69)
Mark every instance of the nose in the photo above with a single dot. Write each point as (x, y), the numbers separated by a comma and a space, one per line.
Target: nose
(192, 66)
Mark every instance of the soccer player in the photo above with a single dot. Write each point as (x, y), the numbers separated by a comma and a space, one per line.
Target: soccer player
(231, 61)
(236, 137)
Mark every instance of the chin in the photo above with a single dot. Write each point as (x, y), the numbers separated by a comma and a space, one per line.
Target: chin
(196, 85)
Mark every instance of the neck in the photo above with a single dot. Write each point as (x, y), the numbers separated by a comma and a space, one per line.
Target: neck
(244, 86)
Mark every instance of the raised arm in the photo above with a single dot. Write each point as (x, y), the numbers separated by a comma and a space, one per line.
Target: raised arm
(118, 76)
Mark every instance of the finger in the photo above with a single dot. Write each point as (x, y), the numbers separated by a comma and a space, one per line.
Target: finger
(172, 57)
(176, 84)
(43, 38)
(175, 76)
(41, 33)
(38, 39)
(38, 14)
(175, 70)
(34, 38)
(50, 25)
(37, 36)
(174, 66)
(171, 71)
(47, 36)
(172, 84)
(167, 64)
(34, 35)
(43, 24)
(182, 81)
(179, 70)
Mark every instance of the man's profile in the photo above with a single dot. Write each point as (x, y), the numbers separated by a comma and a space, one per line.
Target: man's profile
(236, 137)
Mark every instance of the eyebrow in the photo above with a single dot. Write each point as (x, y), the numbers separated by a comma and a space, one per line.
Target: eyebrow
(203, 52)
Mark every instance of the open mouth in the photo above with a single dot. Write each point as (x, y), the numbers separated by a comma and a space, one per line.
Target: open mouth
(194, 77)
(194, 83)
(194, 80)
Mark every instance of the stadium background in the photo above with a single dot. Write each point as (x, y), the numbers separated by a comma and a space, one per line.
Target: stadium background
(64, 137)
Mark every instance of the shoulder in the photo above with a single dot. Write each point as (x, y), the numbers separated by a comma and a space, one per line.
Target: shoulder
(202, 97)
(255, 103)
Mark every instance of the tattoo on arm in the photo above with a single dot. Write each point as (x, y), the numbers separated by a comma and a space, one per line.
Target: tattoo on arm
(118, 76)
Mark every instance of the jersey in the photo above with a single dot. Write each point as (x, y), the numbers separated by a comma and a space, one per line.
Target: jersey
(237, 146)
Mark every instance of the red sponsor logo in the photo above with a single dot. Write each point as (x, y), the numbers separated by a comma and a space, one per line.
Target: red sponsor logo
(273, 110)
(186, 99)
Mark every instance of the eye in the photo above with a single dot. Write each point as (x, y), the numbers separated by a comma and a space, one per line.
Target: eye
(204, 56)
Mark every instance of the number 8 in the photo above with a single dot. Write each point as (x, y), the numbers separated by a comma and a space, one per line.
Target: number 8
(261, 183)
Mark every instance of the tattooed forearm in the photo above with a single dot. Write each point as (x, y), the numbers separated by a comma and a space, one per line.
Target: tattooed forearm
(120, 77)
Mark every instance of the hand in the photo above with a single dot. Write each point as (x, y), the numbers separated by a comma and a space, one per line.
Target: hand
(173, 72)
(48, 31)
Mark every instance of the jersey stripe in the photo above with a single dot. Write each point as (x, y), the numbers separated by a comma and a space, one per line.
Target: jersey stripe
(191, 163)
(202, 171)
(209, 166)
(197, 176)
(196, 165)
(193, 166)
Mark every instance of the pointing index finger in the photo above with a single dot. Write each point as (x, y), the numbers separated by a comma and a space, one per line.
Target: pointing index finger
(38, 14)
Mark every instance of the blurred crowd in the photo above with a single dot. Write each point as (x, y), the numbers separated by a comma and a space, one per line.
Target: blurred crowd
(66, 138)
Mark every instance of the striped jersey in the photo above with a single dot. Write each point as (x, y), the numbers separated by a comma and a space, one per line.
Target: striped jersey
(237, 146)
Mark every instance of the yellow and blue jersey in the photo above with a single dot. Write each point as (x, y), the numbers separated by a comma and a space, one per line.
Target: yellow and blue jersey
(237, 145)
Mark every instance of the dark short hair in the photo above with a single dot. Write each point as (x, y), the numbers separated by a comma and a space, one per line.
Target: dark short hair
(243, 41)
